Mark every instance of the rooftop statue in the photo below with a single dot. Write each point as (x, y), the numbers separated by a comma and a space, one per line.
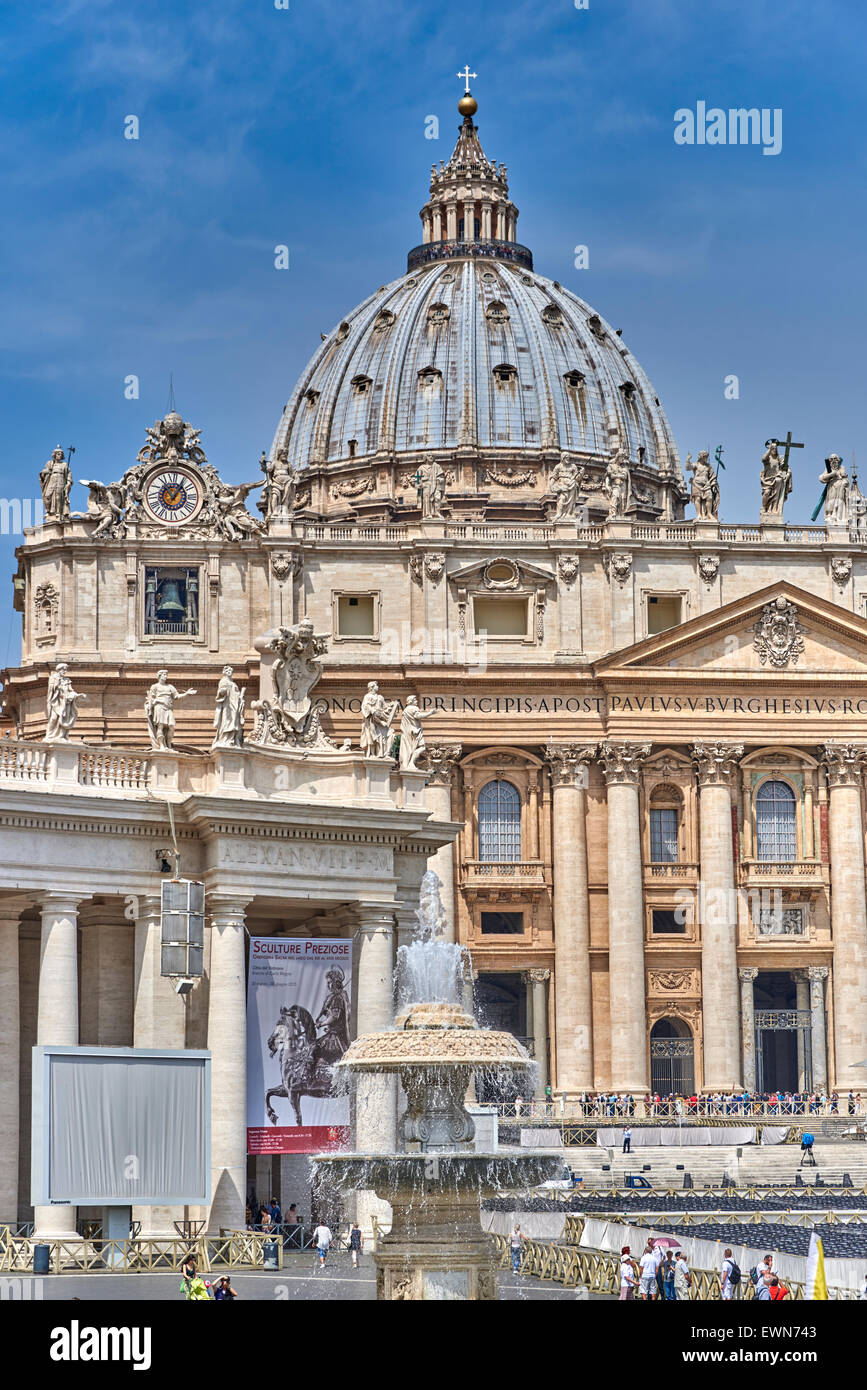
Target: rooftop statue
(229, 712)
(160, 710)
(376, 721)
(62, 705)
(704, 486)
(836, 493)
(56, 483)
(776, 480)
(565, 483)
(412, 743)
(617, 486)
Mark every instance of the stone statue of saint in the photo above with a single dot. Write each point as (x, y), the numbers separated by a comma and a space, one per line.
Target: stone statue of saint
(704, 487)
(229, 713)
(837, 487)
(56, 483)
(776, 480)
(617, 486)
(565, 484)
(432, 485)
(160, 710)
(412, 743)
(281, 485)
(61, 706)
(376, 720)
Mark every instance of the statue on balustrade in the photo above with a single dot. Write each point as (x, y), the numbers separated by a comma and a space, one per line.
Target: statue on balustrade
(160, 710)
(280, 486)
(229, 713)
(836, 492)
(376, 721)
(776, 480)
(62, 705)
(432, 488)
(56, 483)
(617, 486)
(704, 486)
(412, 743)
(565, 484)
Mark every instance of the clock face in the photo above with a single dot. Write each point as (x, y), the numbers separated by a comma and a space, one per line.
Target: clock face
(172, 495)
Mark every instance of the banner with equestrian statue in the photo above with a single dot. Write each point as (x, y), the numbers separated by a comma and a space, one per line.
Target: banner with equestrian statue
(298, 1011)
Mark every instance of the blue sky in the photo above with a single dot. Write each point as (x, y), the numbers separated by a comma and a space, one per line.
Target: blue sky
(306, 127)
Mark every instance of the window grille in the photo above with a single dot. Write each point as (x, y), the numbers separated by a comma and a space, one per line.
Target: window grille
(776, 839)
(499, 823)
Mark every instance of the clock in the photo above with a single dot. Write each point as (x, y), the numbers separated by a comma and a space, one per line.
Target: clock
(172, 495)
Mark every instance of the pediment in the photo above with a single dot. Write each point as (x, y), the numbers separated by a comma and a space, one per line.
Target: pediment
(502, 572)
(780, 632)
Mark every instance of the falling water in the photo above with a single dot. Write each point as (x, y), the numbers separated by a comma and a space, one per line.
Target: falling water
(431, 970)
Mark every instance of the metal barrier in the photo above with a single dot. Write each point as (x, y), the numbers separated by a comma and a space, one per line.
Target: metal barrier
(229, 1250)
(732, 1109)
(599, 1272)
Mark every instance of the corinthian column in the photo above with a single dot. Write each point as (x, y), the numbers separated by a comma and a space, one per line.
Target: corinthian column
(817, 975)
(227, 1042)
(716, 765)
(57, 1017)
(622, 763)
(573, 1002)
(844, 764)
(443, 759)
(747, 975)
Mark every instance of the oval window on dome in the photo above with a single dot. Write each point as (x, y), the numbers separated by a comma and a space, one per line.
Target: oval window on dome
(343, 331)
(552, 317)
(497, 312)
(383, 321)
(438, 313)
(311, 396)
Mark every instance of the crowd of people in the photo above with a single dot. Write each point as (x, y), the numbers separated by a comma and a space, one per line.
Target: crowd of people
(653, 1104)
(662, 1274)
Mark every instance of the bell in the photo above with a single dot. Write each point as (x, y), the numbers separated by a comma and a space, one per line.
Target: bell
(169, 601)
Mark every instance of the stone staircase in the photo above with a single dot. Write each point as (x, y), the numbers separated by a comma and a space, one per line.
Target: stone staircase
(758, 1165)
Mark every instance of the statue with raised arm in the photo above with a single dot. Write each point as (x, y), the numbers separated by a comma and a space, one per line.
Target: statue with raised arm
(160, 710)
(61, 706)
(775, 479)
(376, 721)
(229, 712)
(704, 486)
(56, 483)
(105, 504)
(412, 743)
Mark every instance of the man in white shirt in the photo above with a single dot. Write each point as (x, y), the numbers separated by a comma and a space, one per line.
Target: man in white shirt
(649, 1263)
(726, 1287)
(322, 1239)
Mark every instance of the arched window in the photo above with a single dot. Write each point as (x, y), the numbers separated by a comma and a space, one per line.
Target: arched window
(500, 823)
(664, 825)
(775, 822)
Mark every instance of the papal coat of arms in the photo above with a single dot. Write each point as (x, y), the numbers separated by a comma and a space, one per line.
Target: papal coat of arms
(778, 637)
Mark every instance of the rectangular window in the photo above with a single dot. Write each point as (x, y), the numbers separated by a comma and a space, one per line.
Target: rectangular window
(171, 601)
(356, 615)
(663, 612)
(502, 923)
(500, 617)
(665, 922)
(663, 835)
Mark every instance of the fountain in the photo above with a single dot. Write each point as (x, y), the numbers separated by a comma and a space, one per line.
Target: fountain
(436, 1248)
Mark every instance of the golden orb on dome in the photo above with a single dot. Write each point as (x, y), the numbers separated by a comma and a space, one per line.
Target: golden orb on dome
(468, 106)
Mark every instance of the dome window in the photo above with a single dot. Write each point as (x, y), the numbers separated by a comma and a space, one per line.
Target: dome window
(489, 277)
(383, 321)
(352, 446)
(361, 384)
(594, 323)
(311, 397)
(497, 312)
(552, 317)
(504, 373)
(438, 313)
(429, 376)
(628, 389)
(574, 378)
(343, 331)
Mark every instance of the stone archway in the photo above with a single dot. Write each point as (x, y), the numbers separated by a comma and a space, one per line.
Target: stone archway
(672, 1057)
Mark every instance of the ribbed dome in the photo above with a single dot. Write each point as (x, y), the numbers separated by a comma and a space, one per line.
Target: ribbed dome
(475, 351)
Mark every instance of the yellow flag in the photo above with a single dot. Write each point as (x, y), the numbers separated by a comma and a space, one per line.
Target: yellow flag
(816, 1285)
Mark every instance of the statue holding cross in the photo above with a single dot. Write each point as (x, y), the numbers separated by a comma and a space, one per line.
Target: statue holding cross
(776, 475)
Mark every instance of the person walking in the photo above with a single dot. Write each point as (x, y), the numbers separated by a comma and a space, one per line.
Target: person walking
(322, 1239)
(682, 1277)
(648, 1264)
(728, 1276)
(356, 1243)
(627, 1140)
